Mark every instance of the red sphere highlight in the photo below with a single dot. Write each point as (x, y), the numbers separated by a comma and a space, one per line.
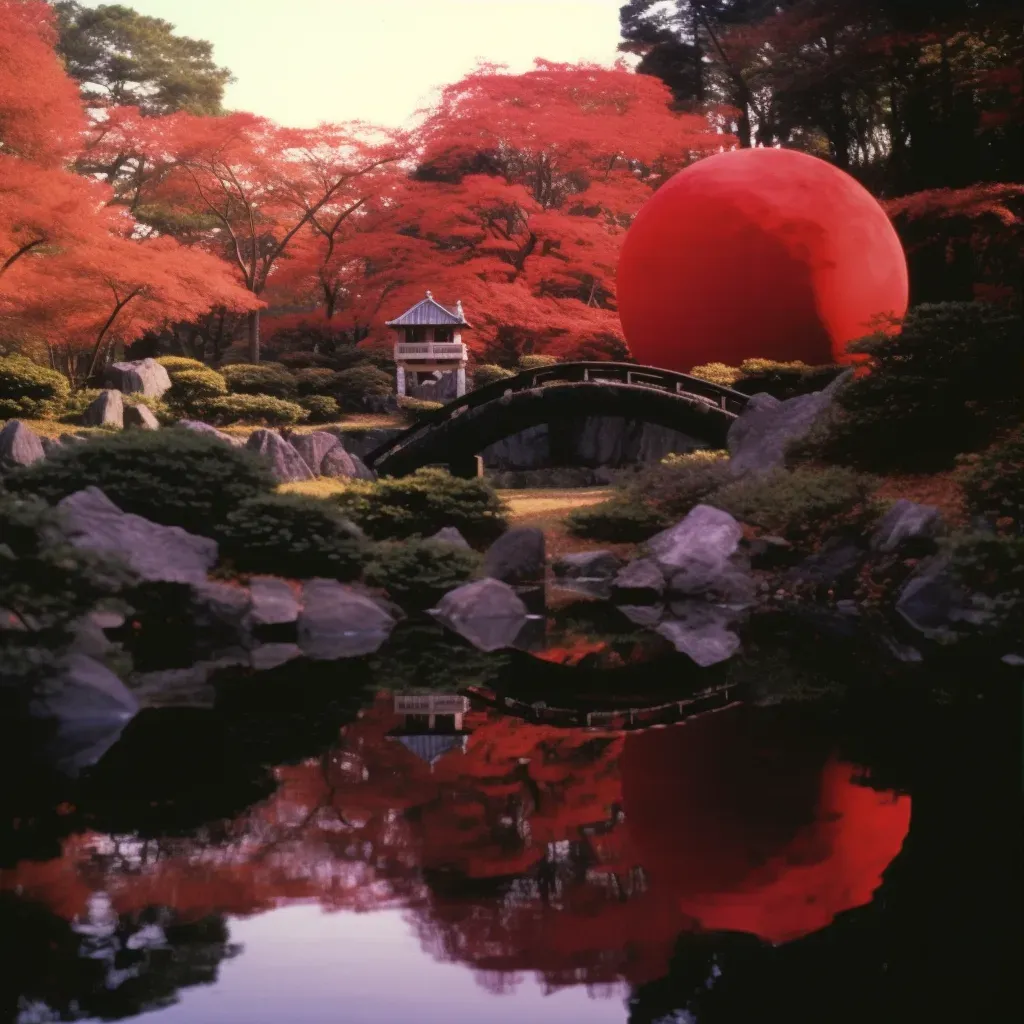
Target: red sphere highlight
(757, 253)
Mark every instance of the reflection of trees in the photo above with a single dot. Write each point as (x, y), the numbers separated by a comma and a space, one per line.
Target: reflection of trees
(103, 964)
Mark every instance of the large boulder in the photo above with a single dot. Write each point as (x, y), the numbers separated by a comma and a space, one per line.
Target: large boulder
(199, 427)
(106, 410)
(287, 465)
(701, 631)
(313, 447)
(517, 556)
(141, 417)
(641, 579)
(146, 376)
(340, 464)
(759, 436)
(487, 613)
(588, 565)
(155, 552)
(274, 602)
(89, 707)
(222, 607)
(339, 622)
(905, 523)
(19, 445)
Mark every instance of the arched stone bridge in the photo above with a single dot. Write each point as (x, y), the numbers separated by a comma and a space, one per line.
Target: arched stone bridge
(456, 433)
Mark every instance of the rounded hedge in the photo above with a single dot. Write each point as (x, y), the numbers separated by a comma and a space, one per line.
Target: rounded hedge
(292, 535)
(175, 364)
(315, 380)
(488, 373)
(351, 387)
(29, 390)
(536, 362)
(259, 379)
(173, 476)
(321, 408)
(255, 409)
(417, 574)
(190, 388)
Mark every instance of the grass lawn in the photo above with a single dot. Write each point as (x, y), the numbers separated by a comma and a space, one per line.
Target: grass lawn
(53, 429)
(355, 422)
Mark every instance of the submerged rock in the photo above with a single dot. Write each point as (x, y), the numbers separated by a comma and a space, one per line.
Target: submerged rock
(517, 556)
(641, 579)
(107, 410)
(156, 553)
(20, 445)
(146, 376)
(338, 622)
(588, 565)
(274, 602)
(761, 433)
(286, 464)
(90, 707)
(701, 631)
(313, 447)
(488, 613)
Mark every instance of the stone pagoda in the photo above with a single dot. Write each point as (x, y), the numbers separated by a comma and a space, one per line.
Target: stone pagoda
(430, 341)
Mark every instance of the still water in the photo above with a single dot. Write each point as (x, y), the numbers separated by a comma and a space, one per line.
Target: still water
(437, 859)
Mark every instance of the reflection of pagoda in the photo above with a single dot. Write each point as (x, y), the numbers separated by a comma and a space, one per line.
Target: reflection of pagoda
(431, 724)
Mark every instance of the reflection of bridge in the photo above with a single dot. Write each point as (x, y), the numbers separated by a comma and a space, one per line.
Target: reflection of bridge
(715, 698)
(455, 434)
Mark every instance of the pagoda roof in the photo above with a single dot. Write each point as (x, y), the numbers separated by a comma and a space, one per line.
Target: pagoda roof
(429, 312)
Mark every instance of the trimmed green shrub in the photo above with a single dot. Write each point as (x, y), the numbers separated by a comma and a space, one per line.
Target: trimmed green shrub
(717, 373)
(292, 535)
(76, 404)
(417, 574)
(618, 520)
(157, 406)
(174, 476)
(30, 391)
(175, 364)
(799, 504)
(419, 408)
(423, 503)
(679, 483)
(354, 385)
(316, 380)
(260, 379)
(536, 362)
(783, 380)
(320, 408)
(488, 373)
(257, 409)
(946, 384)
(191, 389)
(993, 480)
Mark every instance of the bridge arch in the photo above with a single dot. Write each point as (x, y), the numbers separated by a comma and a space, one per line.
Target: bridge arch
(456, 433)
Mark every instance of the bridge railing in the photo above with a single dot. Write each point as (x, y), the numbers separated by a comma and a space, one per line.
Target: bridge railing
(629, 374)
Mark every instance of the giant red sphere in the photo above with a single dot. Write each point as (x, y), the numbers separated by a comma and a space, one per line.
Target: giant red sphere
(757, 253)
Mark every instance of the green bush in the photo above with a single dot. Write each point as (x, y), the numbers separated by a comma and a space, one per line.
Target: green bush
(159, 408)
(679, 483)
(618, 520)
(175, 364)
(76, 404)
(46, 585)
(30, 391)
(422, 504)
(419, 408)
(993, 566)
(993, 481)
(536, 362)
(946, 384)
(172, 476)
(417, 574)
(488, 373)
(292, 535)
(260, 379)
(80, 400)
(800, 504)
(256, 409)
(191, 389)
(717, 373)
(360, 382)
(783, 380)
(315, 380)
(320, 408)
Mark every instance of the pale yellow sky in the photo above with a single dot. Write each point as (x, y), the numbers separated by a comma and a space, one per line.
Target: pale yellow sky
(301, 62)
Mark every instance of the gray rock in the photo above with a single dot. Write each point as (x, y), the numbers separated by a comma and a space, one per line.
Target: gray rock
(588, 565)
(487, 613)
(146, 376)
(450, 535)
(338, 464)
(141, 417)
(89, 706)
(701, 632)
(154, 552)
(274, 603)
(731, 584)
(647, 615)
(517, 556)
(50, 445)
(837, 561)
(1013, 660)
(643, 575)
(758, 438)
(905, 521)
(528, 449)
(106, 410)
(89, 639)
(361, 443)
(314, 446)
(933, 603)
(204, 428)
(221, 605)
(184, 687)
(268, 656)
(338, 622)
(19, 445)
(287, 465)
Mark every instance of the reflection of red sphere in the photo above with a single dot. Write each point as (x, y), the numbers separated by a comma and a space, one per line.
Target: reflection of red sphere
(757, 253)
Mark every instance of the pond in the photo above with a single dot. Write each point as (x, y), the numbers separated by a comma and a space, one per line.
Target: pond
(361, 841)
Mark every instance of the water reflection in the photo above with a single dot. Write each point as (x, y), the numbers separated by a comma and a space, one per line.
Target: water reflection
(574, 856)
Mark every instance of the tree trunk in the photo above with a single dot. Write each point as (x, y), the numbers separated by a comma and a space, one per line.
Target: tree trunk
(254, 336)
